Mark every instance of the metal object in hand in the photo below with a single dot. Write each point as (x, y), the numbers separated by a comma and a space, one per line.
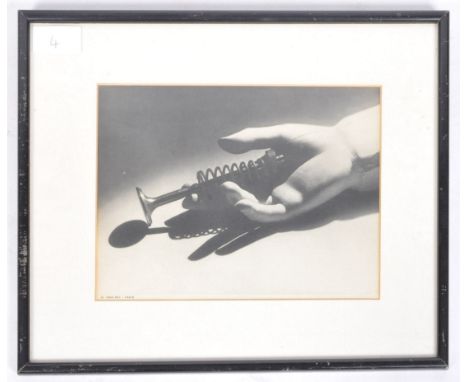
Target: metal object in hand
(242, 173)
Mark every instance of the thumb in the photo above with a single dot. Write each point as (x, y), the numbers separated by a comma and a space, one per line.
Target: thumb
(253, 138)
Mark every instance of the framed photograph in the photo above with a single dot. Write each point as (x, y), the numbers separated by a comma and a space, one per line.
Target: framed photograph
(192, 182)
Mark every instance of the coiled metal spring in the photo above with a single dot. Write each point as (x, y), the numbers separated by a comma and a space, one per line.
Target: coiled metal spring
(255, 176)
(242, 173)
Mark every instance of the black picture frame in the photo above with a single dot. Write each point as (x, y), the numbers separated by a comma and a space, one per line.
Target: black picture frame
(26, 17)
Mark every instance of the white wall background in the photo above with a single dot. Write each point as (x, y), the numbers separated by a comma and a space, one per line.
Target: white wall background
(452, 374)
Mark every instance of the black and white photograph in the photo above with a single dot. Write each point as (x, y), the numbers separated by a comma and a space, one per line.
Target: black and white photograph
(238, 192)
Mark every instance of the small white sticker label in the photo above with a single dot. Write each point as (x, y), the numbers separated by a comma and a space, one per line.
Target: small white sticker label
(56, 39)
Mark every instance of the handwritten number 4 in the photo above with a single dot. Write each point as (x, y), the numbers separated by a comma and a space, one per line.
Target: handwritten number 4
(53, 42)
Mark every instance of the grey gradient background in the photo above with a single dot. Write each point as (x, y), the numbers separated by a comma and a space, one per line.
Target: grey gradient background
(147, 131)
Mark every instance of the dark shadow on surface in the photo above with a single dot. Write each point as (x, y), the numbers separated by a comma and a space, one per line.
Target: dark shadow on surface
(211, 245)
(186, 225)
(232, 231)
(348, 205)
(132, 232)
(193, 223)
